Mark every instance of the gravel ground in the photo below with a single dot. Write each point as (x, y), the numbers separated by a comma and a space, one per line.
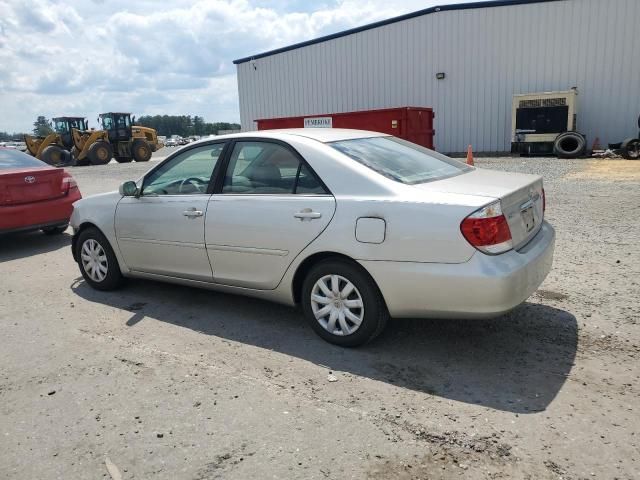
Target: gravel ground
(162, 381)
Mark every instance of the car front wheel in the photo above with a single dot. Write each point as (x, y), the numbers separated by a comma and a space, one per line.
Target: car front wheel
(342, 304)
(98, 263)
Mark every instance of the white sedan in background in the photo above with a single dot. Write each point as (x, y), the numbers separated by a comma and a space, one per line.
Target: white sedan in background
(354, 226)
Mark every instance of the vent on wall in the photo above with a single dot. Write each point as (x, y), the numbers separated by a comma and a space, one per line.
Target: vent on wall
(543, 102)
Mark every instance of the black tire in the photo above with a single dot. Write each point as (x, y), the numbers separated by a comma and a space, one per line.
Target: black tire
(375, 314)
(570, 145)
(100, 153)
(141, 150)
(123, 159)
(74, 158)
(53, 155)
(67, 159)
(631, 149)
(113, 278)
(55, 230)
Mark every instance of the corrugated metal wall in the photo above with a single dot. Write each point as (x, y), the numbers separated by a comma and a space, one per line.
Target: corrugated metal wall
(488, 54)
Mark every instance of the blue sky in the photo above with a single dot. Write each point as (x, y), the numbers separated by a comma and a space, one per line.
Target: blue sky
(83, 57)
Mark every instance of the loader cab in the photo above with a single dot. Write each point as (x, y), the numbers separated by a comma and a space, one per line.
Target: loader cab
(117, 125)
(64, 125)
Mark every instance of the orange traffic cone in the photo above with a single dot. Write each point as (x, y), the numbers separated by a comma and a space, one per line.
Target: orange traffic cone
(596, 144)
(469, 156)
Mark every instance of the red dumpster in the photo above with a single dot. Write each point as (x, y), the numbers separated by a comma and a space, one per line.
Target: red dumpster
(414, 124)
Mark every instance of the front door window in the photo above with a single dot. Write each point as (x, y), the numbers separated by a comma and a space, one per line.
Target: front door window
(189, 173)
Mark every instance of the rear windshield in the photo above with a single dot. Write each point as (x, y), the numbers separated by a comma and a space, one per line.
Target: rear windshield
(400, 160)
(16, 159)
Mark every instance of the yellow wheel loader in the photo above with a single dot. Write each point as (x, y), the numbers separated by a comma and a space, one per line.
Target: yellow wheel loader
(55, 148)
(118, 139)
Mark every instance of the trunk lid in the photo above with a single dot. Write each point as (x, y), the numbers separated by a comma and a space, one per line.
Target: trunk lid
(520, 195)
(28, 185)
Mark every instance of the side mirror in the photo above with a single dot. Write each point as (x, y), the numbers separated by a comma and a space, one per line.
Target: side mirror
(128, 189)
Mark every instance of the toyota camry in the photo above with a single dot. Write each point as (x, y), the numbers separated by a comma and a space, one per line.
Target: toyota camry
(34, 195)
(355, 227)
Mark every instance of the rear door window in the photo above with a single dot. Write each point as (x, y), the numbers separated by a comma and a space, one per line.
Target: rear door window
(268, 168)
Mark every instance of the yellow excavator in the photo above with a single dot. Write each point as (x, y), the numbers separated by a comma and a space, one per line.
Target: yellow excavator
(118, 139)
(55, 147)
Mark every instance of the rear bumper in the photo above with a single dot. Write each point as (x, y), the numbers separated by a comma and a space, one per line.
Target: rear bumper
(37, 215)
(485, 286)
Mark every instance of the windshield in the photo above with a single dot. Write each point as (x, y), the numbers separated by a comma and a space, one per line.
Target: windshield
(400, 160)
(16, 159)
(77, 123)
(60, 126)
(107, 122)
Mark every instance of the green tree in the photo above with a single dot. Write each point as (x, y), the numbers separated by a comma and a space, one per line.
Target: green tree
(198, 125)
(42, 126)
(183, 125)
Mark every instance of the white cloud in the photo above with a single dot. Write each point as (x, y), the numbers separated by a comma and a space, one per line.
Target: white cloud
(75, 57)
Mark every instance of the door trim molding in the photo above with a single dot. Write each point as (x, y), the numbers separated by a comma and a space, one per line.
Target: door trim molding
(162, 242)
(258, 251)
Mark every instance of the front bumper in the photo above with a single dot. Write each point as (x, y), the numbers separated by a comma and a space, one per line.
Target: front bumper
(485, 286)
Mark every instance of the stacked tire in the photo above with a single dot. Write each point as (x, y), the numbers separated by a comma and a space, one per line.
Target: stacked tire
(630, 149)
(570, 145)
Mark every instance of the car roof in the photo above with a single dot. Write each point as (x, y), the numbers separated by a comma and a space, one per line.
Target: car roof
(323, 135)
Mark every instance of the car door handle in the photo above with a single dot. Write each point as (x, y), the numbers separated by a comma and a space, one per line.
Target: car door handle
(192, 213)
(307, 214)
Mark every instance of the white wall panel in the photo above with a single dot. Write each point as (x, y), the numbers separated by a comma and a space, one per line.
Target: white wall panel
(488, 54)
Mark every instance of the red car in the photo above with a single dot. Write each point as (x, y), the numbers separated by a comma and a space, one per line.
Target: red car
(34, 195)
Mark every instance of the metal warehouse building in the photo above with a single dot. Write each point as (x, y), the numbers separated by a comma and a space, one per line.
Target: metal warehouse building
(487, 51)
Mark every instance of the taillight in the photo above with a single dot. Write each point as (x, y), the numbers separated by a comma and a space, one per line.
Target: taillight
(487, 230)
(68, 183)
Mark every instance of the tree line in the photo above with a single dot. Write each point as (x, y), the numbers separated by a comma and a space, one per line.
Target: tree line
(9, 137)
(184, 125)
(41, 128)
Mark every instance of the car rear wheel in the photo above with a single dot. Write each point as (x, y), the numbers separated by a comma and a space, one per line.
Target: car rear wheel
(343, 304)
(98, 263)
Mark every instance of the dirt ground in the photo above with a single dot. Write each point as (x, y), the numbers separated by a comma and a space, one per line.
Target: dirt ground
(166, 382)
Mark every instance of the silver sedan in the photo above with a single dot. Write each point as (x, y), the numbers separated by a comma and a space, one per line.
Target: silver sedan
(354, 226)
